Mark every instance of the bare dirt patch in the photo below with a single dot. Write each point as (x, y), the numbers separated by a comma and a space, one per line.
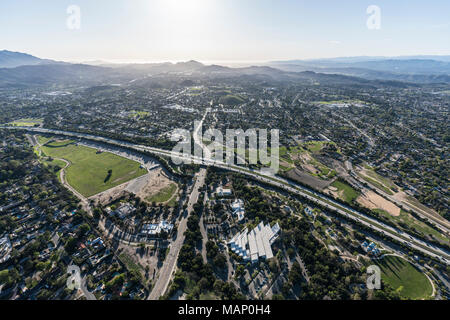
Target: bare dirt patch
(371, 200)
(305, 178)
(132, 186)
(112, 194)
(145, 257)
(156, 181)
(310, 168)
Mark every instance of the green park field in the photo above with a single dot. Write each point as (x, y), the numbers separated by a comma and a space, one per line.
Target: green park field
(348, 193)
(164, 195)
(26, 122)
(401, 275)
(88, 170)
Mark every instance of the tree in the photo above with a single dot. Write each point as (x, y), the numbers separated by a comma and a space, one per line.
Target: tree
(240, 270)
(97, 213)
(71, 245)
(220, 261)
(4, 276)
(83, 230)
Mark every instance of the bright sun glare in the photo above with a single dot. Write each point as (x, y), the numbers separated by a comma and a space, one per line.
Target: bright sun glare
(183, 23)
(185, 10)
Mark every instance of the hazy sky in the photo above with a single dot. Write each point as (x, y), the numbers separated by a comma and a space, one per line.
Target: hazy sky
(223, 30)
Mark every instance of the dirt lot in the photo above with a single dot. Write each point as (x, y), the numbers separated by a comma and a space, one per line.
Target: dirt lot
(333, 191)
(113, 194)
(157, 180)
(145, 257)
(143, 187)
(303, 177)
(372, 200)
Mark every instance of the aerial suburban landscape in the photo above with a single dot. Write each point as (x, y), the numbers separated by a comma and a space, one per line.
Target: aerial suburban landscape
(289, 179)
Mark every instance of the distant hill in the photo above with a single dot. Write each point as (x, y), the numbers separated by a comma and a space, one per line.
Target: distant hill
(419, 69)
(158, 68)
(9, 59)
(40, 72)
(46, 74)
(413, 66)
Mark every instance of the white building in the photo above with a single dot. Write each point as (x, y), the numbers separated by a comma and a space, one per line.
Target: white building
(221, 192)
(255, 244)
(238, 209)
(124, 210)
(154, 229)
(5, 249)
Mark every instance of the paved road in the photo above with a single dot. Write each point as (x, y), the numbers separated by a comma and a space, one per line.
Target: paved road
(290, 186)
(89, 295)
(170, 262)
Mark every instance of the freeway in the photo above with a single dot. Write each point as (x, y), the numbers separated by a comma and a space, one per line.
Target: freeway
(314, 196)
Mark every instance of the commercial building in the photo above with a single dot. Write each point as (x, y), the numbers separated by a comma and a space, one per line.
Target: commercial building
(255, 244)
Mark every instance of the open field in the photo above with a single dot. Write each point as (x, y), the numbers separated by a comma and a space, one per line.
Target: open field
(157, 187)
(404, 277)
(133, 267)
(88, 170)
(26, 122)
(426, 230)
(374, 201)
(345, 192)
(164, 194)
(42, 140)
(308, 179)
(314, 146)
(402, 196)
(231, 100)
(301, 157)
(138, 114)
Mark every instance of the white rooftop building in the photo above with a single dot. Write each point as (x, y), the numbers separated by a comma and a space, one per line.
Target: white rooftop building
(123, 211)
(154, 229)
(5, 249)
(255, 244)
(238, 209)
(221, 192)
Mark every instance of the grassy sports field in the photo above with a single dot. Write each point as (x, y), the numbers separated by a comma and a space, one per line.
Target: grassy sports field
(404, 277)
(88, 170)
(26, 122)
